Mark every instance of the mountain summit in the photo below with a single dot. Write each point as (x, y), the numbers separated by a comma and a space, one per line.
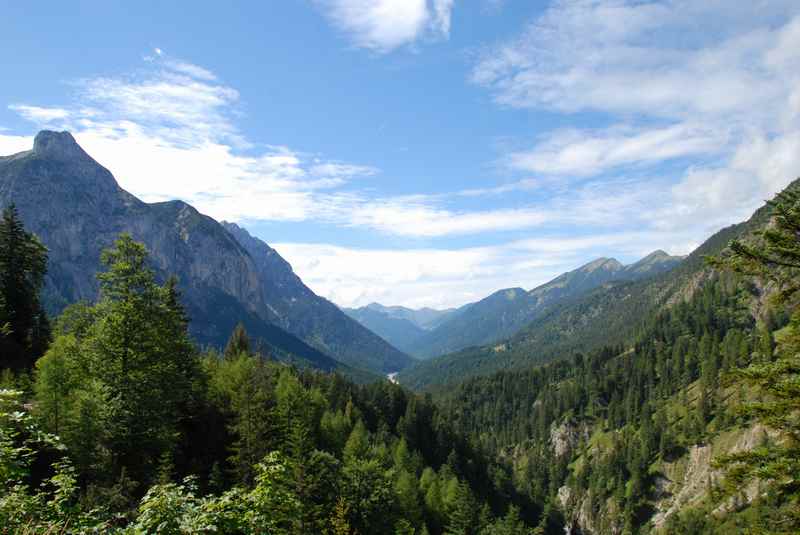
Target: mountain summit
(58, 146)
(506, 311)
(77, 209)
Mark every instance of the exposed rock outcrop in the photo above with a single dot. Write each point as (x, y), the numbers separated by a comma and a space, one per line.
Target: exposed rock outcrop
(77, 208)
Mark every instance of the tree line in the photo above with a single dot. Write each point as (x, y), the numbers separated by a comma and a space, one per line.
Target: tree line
(113, 420)
(704, 365)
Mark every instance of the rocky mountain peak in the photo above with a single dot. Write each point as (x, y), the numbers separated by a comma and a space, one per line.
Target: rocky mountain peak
(657, 254)
(227, 276)
(57, 146)
(608, 264)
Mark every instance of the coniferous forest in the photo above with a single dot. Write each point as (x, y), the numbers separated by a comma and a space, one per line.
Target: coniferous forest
(113, 420)
(117, 422)
(400, 267)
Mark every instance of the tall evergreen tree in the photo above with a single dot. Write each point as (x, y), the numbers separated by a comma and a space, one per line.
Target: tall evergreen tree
(238, 343)
(463, 514)
(23, 263)
(774, 256)
(132, 350)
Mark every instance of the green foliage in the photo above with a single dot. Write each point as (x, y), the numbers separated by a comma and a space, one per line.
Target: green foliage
(510, 524)
(653, 399)
(258, 447)
(31, 502)
(774, 257)
(462, 514)
(24, 328)
(238, 343)
(117, 377)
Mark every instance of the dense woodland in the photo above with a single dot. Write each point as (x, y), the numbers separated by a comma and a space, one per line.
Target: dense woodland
(609, 315)
(122, 424)
(112, 419)
(704, 366)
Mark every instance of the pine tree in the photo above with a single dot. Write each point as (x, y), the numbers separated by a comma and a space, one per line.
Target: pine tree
(24, 324)
(252, 423)
(238, 343)
(357, 444)
(774, 256)
(462, 517)
(339, 523)
(140, 348)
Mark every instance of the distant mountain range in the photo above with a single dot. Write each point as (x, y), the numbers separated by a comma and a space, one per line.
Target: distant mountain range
(428, 333)
(609, 314)
(400, 326)
(424, 318)
(77, 209)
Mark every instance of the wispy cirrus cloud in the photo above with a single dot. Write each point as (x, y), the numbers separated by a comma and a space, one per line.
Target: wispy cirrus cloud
(441, 277)
(40, 114)
(711, 96)
(384, 25)
(646, 57)
(581, 153)
(169, 132)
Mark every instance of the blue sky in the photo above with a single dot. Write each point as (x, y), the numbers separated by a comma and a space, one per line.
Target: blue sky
(425, 152)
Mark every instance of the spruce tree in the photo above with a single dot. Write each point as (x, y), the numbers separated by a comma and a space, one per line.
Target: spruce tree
(24, 329)
(463, 516)
(774, 257)
(238, 343)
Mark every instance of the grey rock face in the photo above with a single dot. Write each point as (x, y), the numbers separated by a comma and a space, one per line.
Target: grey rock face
(294, 307)
(77, 208)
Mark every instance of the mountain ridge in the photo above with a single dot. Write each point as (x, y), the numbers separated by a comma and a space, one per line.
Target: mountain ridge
(504, 312)
(77, 208)
(604, 316)
(296, 308)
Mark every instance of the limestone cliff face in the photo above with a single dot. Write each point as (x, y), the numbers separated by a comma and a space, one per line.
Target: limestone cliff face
(77, 208)
(294, 307)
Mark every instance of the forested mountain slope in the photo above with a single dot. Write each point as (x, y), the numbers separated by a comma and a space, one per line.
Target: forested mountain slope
(609, 314)
(295, 308)
(505, 312)
(398, 331)
(659, 429)
(77, 209)
(401, 326)
(425, 318)
(125, 427)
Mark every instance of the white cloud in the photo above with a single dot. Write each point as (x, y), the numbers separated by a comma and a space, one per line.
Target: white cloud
(383, 25)
(190, 69)
(337, 170)
(39, 114)
(415, 277)
(11, 144)
(401, 217)
(585, 153)
(442, 10)
(645, 57)
(169, 133)
(723, 98)
(444, 278)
